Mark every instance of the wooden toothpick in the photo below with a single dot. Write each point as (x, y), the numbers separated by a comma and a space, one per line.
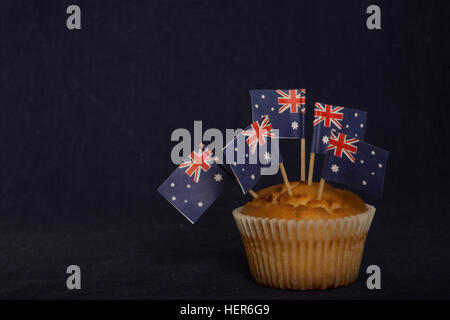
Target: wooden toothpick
(312, 157)
(320, 191)
(285, 179)
(253, 194)
(302, 159)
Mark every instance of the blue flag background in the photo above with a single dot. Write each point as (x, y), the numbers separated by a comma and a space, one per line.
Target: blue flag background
(193, 198)
(246, 173)
(291, 121)
(366, 173)
(353, 124)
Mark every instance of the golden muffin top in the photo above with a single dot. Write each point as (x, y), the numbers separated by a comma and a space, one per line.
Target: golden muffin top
(275, 202)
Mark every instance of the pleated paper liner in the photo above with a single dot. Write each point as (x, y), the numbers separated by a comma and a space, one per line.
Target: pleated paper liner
(304, 254)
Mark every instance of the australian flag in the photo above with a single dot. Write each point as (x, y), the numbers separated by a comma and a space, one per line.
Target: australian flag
(252, 150)
(355, 163)
(196, 184)
(351, 122)
(285, 108)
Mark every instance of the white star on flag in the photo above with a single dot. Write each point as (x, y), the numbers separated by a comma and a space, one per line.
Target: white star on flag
(294, 125)
(267, 156)
(334, 168)
(218, 177)
(325, 139)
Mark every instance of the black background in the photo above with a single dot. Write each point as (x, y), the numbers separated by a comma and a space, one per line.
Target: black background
(86, 118)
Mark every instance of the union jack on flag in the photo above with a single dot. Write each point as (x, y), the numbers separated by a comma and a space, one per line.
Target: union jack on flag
(198, 162)
(257, 133)
(341, 145)
(293, 100)
(355, 163)
(351, 122)
(247, 154)
(285, 108)
(191, 197)
(328, 114)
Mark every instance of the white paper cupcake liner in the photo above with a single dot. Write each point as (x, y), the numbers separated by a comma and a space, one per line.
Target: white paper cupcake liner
(304, 254)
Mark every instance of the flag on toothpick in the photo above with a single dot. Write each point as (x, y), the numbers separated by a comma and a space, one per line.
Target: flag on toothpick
(250, 151)
(285, 108)
(287, 111)
(195, 184)
(355, 163)
(351, 122)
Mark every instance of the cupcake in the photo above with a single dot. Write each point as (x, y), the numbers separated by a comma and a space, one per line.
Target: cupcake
(298, 242)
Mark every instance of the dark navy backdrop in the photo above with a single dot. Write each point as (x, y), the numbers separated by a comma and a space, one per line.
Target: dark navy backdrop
(86, 118)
